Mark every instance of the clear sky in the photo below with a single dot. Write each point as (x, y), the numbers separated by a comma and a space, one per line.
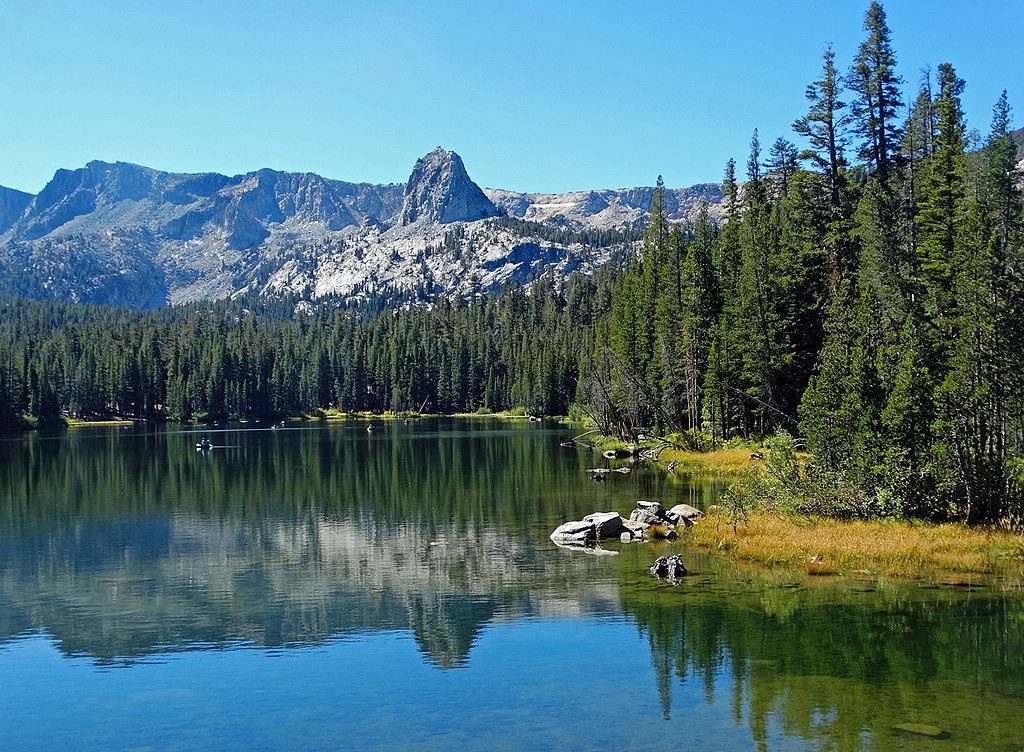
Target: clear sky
(535, 96)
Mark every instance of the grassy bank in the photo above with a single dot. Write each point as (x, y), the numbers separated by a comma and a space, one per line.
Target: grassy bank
(823, 546)
(29, 424)
(725, 461)
(718, 462)
(780, 533)
(333, 414)
(503, 414)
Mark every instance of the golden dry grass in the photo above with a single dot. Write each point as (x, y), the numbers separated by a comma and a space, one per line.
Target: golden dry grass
(720, 461)
(502, 414)
(894, 548)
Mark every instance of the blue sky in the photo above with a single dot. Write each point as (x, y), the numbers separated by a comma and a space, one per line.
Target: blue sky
(535, 96)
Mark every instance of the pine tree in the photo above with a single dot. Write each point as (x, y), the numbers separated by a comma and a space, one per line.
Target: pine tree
(781, 166)
(981, 396)
(700, 305)
(877, 102)
(916, 148)
(907, 424)
(722, 385)
(825, 129)
(942, 194)
(840, 411)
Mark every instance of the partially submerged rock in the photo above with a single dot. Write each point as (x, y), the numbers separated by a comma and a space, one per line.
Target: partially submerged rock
(606, 524)
(668, 567)
(577, 531)
(637, 531)
(651, 506)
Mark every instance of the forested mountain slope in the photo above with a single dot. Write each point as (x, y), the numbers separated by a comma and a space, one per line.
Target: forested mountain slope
(863, 294)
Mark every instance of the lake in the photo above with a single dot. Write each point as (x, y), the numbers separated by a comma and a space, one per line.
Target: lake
(322, 587)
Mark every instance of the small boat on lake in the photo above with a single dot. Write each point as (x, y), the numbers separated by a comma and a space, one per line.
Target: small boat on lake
(204, 445)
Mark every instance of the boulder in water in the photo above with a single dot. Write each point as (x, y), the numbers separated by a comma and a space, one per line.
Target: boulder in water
(668, 567)
(577, 531)
(606, 524)
(633, 532)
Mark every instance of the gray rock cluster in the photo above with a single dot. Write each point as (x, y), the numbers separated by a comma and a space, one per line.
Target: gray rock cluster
(648, 520)
(653, 513)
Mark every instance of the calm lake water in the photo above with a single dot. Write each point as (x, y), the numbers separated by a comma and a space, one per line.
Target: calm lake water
(325, 588)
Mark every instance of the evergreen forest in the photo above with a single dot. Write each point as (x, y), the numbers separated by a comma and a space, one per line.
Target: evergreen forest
(861, 292)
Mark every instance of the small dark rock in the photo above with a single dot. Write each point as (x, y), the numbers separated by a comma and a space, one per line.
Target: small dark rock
(668, 567)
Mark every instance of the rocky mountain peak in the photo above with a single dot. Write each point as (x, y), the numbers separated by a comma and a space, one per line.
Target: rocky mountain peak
(126, 234)
(440, 190)
(12, 204)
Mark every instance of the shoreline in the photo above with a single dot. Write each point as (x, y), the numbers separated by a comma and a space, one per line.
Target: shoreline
(818, 546)
(824, 546)
(727, 462)
(827, 546)
(326, 415)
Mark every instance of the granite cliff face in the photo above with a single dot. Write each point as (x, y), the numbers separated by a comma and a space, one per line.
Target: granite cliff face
(119, 233)
(439, 190)
(606, 208)
(12, 204)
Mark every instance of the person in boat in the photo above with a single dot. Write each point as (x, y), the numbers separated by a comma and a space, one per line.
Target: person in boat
(205, 443)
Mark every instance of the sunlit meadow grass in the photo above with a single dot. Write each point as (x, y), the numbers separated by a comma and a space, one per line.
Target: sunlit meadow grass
(896, 548)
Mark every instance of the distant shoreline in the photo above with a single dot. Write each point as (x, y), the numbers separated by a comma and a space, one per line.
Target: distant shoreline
(325, 415)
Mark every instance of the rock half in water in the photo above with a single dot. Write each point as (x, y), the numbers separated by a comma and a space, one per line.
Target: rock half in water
(668, 567)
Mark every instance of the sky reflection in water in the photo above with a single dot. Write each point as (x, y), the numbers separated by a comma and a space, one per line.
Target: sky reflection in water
(332, 589)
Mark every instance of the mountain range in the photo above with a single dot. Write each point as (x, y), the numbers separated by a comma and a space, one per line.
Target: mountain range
(123, 234)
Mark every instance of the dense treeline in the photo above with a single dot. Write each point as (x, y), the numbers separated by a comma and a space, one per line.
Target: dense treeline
(864, 293)
(256, 359)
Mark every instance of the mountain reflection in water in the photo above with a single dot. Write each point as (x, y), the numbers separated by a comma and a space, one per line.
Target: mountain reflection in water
(128, 547)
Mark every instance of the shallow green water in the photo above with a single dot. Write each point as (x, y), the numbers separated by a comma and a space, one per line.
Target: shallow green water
(326, 588)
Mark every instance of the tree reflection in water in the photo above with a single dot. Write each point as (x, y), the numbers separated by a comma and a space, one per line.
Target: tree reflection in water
(127, 544)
